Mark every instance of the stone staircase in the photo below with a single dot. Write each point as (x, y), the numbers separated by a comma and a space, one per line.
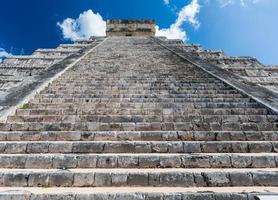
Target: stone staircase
(134, 121)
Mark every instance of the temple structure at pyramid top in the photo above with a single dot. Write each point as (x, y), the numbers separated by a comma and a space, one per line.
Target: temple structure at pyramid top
(132, 116)
(130, 28)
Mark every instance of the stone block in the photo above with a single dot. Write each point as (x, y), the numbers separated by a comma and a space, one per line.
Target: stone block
(107, 161)
(217, 179)
(38, 180)
(83, 179)
(61, 179)
(159, 147)
(38, 161)
(15, 179)
(176, 179)
(191, 147)
(241, 179)
(128, 161)
(170, 162)
(64, 162)
(265, 178)
(138, 179)
(263, 162)
(221, 161)
(196, 161)
(102, 179)
(84, 162)
(260, 147)
(15, 147)
(119, 179)
(60, 147)
(241, 161)
(149, 161)
(239, 147)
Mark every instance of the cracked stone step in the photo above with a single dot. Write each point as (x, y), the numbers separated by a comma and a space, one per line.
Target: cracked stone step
(140, 100)
(143, 178)
(145, 77)
(117, 94)
(139, 161)
(139, 136)
(77, 91)
(134, 85)
(136, 193)
(167, 117)
(12, 147)
(142, 105)
(198, 125)
(144, 111)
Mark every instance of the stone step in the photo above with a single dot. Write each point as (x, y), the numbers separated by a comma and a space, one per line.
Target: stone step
(143, 77)
(104, 73)
(117, 94)
(143, 178)
(139, 90)
(15, 147)
(103, 86)
(151, 82)
(136, 87)
(138, 193)
(142, 161)
(149, 105)
(112, 111)
(198, 125)
(162, 118)
(138, 84)
(108, 72)
(139, 136)
(140, 100)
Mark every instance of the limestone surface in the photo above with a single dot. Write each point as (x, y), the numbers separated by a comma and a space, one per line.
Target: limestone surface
(134, 120)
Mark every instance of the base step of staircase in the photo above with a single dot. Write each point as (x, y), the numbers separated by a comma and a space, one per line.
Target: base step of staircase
(139, 177)
(139, 193)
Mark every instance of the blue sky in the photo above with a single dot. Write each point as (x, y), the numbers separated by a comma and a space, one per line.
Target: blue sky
(239, 27)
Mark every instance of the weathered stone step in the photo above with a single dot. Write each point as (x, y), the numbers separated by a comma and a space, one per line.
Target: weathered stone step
(138, 136)
(104, 86)
(149, 105)
(191, 73)
(138, 73)
(138, 193)
(143, 77)
(78, 90)
(12, 147)
(139, 100)
(135, 87)
(133, 177)
(117, 94)
(144, 111)
(137, 82)
(198, 125)
(142, 161)
(140, 88)
(162, 118)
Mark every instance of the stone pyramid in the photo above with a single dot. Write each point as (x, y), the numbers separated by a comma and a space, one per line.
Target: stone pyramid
(134, 116)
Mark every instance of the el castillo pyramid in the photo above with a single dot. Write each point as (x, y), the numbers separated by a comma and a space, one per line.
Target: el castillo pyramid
(131, 116)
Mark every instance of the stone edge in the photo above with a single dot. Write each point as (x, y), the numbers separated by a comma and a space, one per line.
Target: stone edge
(23, 94)
(256, 92)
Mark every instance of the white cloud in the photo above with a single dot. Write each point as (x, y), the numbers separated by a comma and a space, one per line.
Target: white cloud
(187, 14)
(224, 3)
(166, 2)
(243, 3)
(3, 54)
(86, 25)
